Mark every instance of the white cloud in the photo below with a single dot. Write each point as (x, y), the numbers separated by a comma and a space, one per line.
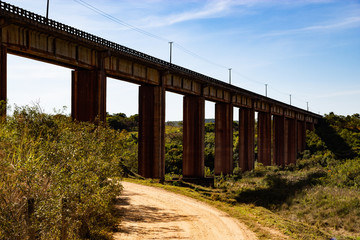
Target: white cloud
(210, 9)
(219, 8)
(346, 23)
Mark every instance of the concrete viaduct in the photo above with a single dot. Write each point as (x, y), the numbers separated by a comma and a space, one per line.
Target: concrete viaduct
(281, 127)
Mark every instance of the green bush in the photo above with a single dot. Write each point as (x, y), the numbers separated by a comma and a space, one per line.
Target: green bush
(237, 173)
(57, 177)
(120, 121)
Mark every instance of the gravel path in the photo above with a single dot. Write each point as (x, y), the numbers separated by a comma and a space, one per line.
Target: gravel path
(153, 213)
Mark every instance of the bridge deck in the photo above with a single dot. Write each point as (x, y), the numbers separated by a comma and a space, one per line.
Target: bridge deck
(31, 35)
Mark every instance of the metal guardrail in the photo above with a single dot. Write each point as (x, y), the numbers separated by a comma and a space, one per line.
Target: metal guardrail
(7, 9)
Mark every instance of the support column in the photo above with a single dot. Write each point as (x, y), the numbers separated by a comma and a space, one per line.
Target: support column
(301, 136)
(279, 140)
(310, 126)
(223, 138)
(264, 138)
(193, 137)
(286, 141)
(151, 132)
(246, 139)
(3, 79)
(88, 99)
(292, 141)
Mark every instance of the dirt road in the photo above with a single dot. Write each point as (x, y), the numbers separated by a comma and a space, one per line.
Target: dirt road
(152, 213)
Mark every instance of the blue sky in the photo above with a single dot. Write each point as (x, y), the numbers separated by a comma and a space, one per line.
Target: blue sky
(307, 48)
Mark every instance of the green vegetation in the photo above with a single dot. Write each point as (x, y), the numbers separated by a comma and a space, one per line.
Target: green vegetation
(119, 121)
(318, 198)
(321, 190)
(174, 149)
(59, 178)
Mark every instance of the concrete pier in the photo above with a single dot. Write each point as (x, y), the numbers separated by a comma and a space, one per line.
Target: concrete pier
(88, 98)
(246, 139)
(151, 131)
(223, 138)
(193, 137)
(279, 140)
(264, 138)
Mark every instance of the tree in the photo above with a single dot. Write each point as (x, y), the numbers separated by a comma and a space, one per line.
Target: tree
(119, 121)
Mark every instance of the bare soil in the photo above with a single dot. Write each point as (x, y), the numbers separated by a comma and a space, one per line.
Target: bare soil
(153, 213)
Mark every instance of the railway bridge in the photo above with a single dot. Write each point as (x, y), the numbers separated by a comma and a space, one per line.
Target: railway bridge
(281, 127)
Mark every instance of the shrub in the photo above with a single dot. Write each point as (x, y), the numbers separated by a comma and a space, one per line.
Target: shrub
(259, 170)
(57, 177)
(237, 173)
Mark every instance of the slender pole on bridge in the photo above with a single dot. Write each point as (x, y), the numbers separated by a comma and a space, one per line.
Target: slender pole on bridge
(265, 89)
(171, 51)
(47, 10)
(229, 75)
(290, 99)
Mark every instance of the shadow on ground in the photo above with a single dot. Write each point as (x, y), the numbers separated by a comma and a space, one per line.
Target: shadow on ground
(146, 214)
(278, 190)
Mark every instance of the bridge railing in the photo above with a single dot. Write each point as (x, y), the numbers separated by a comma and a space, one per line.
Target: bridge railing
(8, 9)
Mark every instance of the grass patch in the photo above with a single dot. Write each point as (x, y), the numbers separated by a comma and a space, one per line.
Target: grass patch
(327, 207)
